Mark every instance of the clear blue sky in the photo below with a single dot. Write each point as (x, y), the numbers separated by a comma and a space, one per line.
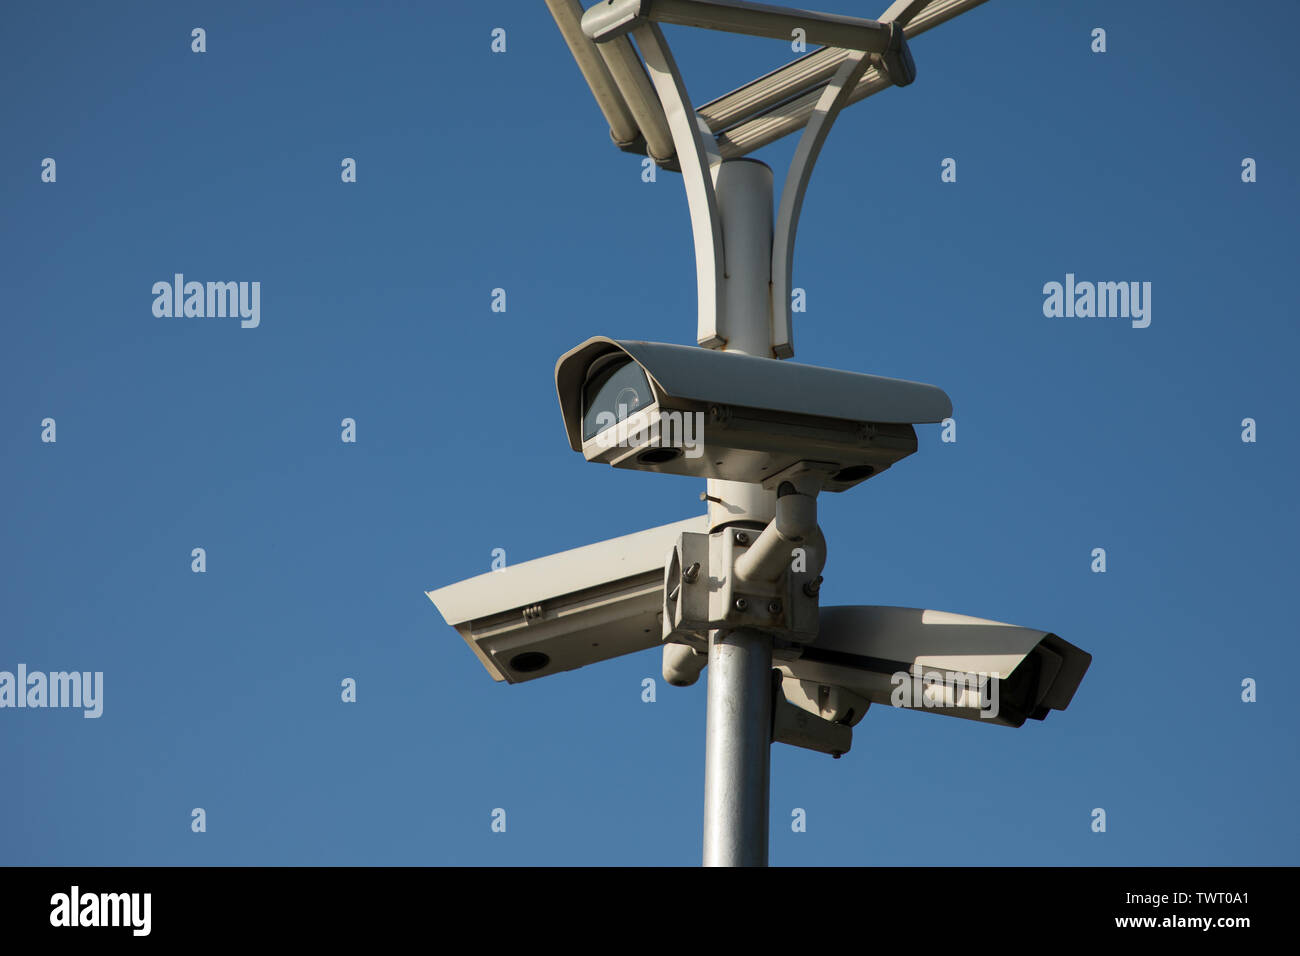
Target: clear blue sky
(478, 171)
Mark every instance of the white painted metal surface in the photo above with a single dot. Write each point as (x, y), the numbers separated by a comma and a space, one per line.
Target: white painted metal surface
(739, 133)
(862, 648)
(744, 208)
(616, 17)
(689, 374)
(568, 17)
(630, 77)
(697, 155)
(591, 565)
(833, 99)
(554, 605)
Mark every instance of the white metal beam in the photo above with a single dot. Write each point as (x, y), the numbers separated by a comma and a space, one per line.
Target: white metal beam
(615, 18)
(805, 73)
(697, 154)
(782, 102)
(834, 97)
(903, 12)
(630, 76)
(622, 127)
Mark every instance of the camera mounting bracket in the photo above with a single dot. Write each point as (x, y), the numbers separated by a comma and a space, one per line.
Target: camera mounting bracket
(645, 101)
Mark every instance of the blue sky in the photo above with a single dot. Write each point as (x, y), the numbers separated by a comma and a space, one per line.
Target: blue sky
(479, 171)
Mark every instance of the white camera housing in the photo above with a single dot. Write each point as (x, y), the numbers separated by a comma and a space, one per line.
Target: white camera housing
(865, 649)
(566, 610)
(705, 413)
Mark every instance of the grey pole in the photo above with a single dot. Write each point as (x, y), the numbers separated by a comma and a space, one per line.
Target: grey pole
(738, 735)
(738, 749)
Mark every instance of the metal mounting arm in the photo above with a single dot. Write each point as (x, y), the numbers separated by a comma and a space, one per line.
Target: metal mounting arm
(614, 18)
(880, 44)
(750, 117)
(833, 99)
(697, 155)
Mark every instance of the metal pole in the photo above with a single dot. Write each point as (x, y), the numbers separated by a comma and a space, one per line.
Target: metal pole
(744, 206)
(738, 735)
(738, 749)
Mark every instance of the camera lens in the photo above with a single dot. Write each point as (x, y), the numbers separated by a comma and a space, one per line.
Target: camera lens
(613, 392)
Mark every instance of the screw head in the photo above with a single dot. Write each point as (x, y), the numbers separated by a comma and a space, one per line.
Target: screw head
(741, 604)
(742, 538)
(774, 606)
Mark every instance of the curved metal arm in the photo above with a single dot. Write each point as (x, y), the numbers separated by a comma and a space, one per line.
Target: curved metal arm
(697, 154)
(833, 99)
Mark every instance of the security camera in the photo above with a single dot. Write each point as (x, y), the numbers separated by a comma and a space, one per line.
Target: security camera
(566, 610)
(937, 662)
(706, 413)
